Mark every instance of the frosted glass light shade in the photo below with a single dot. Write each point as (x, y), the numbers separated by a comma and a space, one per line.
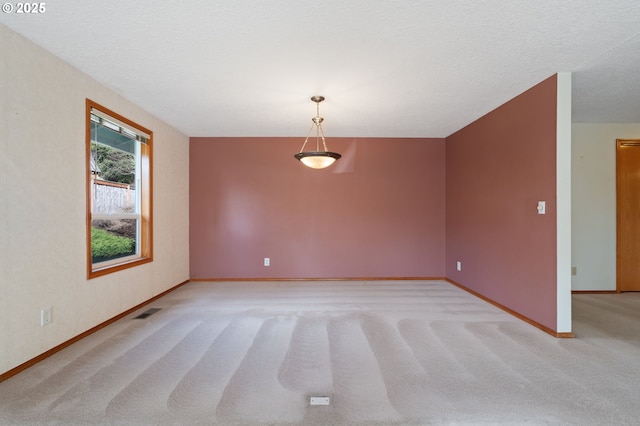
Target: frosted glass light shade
(317, 159)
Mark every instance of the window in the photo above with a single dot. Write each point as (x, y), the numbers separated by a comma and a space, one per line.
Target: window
(118, 153)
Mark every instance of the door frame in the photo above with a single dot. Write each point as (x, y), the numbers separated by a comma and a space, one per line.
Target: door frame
(619, 144)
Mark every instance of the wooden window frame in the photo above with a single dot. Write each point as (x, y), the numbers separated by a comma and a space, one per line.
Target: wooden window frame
(145, 244)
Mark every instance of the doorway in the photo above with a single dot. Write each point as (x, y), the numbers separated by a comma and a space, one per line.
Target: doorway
(628, 214)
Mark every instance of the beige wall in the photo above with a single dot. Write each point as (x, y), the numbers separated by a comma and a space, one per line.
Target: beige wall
(593, 221)
(42, 205)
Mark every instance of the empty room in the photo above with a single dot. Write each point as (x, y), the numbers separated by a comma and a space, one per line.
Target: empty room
(319, 213)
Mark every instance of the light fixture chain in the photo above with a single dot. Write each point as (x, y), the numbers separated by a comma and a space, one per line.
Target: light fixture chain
(324, 142)
(307, 138)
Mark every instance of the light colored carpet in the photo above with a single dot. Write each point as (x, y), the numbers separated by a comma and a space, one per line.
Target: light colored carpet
(387, 352)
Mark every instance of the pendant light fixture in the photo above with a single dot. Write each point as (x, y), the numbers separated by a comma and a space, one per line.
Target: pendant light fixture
(317, 159)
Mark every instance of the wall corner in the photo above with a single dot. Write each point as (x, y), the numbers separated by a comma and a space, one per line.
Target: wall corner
(563, 202)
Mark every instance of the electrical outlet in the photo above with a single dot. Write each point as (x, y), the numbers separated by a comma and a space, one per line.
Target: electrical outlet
(45, 316)
(267, 261)
(459, 266)
(574, 270)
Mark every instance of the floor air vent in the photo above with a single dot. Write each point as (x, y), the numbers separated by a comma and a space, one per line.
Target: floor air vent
(147, 313)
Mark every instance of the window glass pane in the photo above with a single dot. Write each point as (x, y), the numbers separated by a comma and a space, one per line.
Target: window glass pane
(109, 137)
(113, 239)
(115, 159)
(113, 197)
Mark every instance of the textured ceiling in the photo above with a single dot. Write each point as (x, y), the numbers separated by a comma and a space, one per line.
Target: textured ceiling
(394, 68)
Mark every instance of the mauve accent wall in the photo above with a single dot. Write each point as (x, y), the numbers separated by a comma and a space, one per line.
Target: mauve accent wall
(497, 169)
(377, 213)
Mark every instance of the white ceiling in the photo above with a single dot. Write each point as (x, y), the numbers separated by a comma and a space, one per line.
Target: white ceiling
(388, 68)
